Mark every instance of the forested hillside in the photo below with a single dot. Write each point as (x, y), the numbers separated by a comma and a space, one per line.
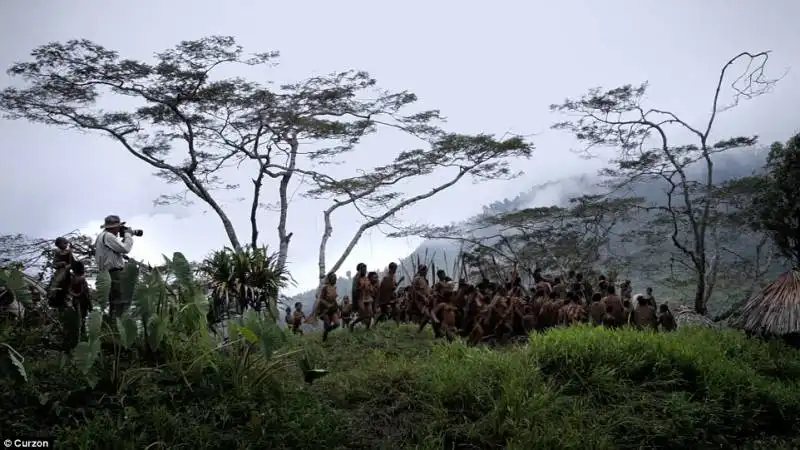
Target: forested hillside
(648, 261)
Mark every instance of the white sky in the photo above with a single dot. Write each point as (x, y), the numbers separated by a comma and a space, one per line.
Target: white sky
(489, 66)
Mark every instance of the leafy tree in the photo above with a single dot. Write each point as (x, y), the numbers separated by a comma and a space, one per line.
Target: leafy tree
(191, 126)
(574, 237)
(747, 252)
(452, 157)
(776, 205)
(647, 152)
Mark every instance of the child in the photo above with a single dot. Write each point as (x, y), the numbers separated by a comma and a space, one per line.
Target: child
(62, 262)
(297, 318)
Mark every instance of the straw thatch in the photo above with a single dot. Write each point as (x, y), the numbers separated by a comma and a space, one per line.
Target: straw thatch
(686, 315)
(773, 311)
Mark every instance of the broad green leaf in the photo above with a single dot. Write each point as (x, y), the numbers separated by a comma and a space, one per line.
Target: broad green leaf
(92, 380)
(183, 271)
(94, 325)
(16, 361)
(102, 289)
(247, 334)
(85, 355)
(156, 330)
(129, 278)
(127, 329)
(141, 297)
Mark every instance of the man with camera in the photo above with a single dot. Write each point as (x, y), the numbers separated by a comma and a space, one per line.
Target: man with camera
(111, 251)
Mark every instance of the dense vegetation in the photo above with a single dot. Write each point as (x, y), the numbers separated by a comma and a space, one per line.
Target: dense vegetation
(393, 388)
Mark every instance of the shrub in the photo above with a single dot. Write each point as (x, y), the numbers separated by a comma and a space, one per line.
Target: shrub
(153, 377)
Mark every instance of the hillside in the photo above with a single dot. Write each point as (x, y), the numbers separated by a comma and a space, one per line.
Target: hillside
(727, 166)
(393, 388)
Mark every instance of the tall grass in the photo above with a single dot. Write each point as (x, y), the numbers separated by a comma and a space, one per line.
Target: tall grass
(579, 387)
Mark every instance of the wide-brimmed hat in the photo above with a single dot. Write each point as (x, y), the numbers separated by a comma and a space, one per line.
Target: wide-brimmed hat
(111, 221)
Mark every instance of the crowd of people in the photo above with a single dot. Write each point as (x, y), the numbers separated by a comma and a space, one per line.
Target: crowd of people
(484, 311)
(487, 310)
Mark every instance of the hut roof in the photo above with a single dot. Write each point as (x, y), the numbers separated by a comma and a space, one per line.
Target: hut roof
(686, 315)
(775, 310)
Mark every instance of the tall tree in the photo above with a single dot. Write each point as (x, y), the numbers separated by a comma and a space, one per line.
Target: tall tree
(776, 205)
(647, 153)
(191, 126)
(451, 158)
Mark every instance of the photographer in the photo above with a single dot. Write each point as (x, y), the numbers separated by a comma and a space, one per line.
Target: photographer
(111, 249)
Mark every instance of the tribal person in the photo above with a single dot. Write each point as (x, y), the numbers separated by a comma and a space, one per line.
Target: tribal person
(62, 262)
(386, 294)
(328, 308)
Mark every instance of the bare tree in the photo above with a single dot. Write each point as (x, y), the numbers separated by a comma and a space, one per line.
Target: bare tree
(617, 118)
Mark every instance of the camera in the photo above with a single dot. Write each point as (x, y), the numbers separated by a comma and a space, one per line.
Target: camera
(126, 229)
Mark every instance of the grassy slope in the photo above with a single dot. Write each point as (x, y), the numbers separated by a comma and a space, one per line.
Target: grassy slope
(570, 388)
(581, 388)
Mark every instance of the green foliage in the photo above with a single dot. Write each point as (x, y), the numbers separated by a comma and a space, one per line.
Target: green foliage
(13, 286)
(166, 312)
(579, 387)
(254, 351)
(245, 278)
(12, 363)
(102, 289)
(776, 206)
(137, 369)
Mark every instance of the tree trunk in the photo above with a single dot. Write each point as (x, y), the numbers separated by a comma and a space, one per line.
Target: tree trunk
(226, 222)
(323, 243)
(700, 292)
(284, 238)
(257, 184)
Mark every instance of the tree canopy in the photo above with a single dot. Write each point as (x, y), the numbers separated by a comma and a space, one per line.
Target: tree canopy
(178, 115)
(776, 206)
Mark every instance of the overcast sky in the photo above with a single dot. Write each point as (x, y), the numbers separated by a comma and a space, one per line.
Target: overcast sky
(489, 66)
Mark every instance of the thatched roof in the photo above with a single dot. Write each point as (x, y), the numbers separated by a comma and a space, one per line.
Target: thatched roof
(686, 315)
(773, 311)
